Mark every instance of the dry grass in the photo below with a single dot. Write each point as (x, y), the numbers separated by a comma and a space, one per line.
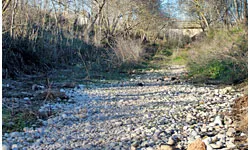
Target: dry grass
(221, 55)
(128, 51)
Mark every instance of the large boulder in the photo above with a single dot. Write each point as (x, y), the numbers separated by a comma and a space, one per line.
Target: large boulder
(197, 145)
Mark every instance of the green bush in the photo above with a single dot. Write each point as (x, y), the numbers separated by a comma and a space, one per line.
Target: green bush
(166, 52)
(226, 71)
(215, 69)
(221, 56)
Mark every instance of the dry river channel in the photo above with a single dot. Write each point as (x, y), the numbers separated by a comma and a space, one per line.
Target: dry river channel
(140, 113)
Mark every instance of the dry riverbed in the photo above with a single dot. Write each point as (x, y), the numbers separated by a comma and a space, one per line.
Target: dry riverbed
(148, 111)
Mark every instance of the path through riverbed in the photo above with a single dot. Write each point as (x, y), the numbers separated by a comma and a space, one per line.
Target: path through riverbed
(143, 112)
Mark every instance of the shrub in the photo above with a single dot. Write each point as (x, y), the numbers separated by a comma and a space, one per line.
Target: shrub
(176, 39)
(222, 56)
(167, 52)
(128, 51)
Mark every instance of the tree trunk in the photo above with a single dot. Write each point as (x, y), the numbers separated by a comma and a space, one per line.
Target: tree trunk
(236, 10)
(13, 18)
(205, 20)
(246, 15)
(5, 4)
(90, 26)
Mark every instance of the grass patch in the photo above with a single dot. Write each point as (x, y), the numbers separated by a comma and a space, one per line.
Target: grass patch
(221, 56)
(16, 121)
(179, 57)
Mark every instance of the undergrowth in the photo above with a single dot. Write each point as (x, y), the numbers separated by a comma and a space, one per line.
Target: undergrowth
(221, 56)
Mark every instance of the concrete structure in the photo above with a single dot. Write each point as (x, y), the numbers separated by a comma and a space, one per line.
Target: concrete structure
(188, 32)
(185, 28)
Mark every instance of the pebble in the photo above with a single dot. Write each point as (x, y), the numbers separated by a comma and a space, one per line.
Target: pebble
(149, 148)
(230, 132)
(217, 145)
(214, 139)
(194, 133)
(230, 145)
(166, 147)
(14, 146)
(228, 120)
(171, 141)
(5, 147)
(242, 134)
(14, 134)
(62, 90)
(217, 121)
(135, 143)
(64, 116)
(189, 117)
(207, 140)
(209, 147)
(185, 128)
(118, 123)
(50, 121)
(26, 98)
(132, 117)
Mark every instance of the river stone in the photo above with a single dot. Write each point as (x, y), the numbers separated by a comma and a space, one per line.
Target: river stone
(197, 145)
(5, 147)
(26, 129)
(217, 121)
(228, 120)
(214, 139)
(230, 145)
(210, 129)
(144, 144)
(135, 143)
(189, 117)
(209, 147)
(138, 131)
(232, 139)
(203, 129)
(185, 128)
(242, 134)
(149, 148)
(119, 123)
(132, 148)
(15, 146)
(207, 140)
(217, 145)
(26, 98)
(166, 147)
(194, 133)
(14, 134)
(64, 116)
(50, 121)
(230, 132)
(222, 137)
(191, 139)
(171, 141)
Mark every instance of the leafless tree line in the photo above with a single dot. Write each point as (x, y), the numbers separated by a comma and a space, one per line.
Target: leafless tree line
(213, 12)
(98, 22)
(59, 29)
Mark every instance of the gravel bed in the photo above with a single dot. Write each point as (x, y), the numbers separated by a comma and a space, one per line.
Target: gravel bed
(128, 115)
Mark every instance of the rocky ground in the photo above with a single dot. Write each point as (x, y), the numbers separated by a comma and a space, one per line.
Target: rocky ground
(154, 110)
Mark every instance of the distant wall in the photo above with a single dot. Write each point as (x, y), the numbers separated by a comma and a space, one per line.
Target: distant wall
(188, 32)
(188, 28)
(191, 32)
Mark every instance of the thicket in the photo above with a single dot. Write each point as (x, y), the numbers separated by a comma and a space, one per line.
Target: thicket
(106, 35)
(40, 35)
(221, 56)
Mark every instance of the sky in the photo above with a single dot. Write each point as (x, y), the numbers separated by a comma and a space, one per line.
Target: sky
(172, 7)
